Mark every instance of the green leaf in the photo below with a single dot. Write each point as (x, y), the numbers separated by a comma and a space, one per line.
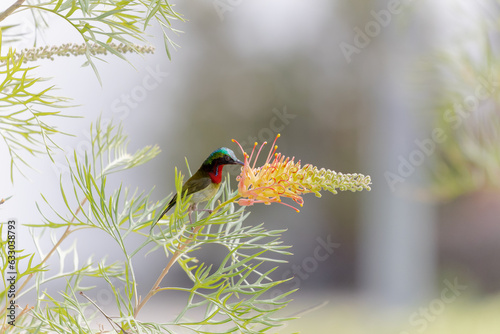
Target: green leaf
(25, 112)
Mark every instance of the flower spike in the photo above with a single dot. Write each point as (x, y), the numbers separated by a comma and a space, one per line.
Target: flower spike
(283, 177)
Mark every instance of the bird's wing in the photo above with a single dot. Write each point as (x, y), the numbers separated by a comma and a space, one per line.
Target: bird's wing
(196, 184)
(191, 186)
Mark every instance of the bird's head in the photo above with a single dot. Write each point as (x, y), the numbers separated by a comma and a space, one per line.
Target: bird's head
(222, 156)
(218, 159)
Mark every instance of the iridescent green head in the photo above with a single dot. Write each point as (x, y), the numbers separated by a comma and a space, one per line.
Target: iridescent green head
(221, 156)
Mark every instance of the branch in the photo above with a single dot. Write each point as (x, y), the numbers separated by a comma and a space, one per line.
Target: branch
(175, 257)
(65, 234)
(111, 321)
(11, 9)
(173, 260)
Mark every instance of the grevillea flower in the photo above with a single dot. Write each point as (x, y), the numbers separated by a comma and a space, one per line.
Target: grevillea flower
(281, 176)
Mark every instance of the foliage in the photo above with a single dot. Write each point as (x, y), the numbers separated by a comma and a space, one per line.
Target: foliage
(28, 108)
(468, 157)
(103, 22)
(232, 296)
(23, 111)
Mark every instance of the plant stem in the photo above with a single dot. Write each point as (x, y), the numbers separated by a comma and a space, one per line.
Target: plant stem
(175, 257)
(11, 9)
(173, 260)
(111, 321)
(49, 254)
(64, 236)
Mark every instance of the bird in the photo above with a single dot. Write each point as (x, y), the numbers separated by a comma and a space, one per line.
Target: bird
(203, 185)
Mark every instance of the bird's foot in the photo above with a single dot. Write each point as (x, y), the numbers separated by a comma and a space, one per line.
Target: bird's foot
(193, 207)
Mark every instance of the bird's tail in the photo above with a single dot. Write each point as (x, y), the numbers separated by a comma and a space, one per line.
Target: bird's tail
(170, 205)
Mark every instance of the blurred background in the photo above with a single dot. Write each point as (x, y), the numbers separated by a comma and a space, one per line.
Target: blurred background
(404, 91)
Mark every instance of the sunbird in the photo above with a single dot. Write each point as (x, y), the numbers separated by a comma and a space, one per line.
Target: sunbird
(203, 185)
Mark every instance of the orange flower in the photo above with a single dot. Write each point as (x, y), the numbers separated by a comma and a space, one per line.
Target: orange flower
(283, 177)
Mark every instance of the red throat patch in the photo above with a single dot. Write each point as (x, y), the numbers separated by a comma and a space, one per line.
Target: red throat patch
(216, 174)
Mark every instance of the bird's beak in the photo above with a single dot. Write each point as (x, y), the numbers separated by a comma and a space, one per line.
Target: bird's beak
(238, 162)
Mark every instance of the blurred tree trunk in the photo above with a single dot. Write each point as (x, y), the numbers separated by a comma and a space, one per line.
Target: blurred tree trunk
(397, 241)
